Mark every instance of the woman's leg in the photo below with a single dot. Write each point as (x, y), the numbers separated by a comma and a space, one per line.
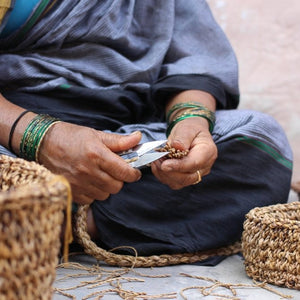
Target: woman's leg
(253, 169)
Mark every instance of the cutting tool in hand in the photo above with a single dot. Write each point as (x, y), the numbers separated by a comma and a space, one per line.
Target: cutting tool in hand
(143, 154)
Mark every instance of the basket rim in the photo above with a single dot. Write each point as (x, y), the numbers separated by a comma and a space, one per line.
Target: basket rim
(276, 215)
(39, 185)
(33, 193)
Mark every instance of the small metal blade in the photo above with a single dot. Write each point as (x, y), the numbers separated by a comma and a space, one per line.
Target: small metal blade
(147, 158)
(147, 147)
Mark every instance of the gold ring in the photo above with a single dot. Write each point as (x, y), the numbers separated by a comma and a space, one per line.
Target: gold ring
(199, 177)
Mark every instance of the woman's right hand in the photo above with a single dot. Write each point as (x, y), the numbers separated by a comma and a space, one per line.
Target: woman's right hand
(88, 159)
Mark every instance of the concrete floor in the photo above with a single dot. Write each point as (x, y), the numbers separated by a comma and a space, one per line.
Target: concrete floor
(229, 271)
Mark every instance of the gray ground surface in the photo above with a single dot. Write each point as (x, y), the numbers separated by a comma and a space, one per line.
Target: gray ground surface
(230, 271)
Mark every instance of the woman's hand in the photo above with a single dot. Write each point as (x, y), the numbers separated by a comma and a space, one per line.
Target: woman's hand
(191, 134)
(86, 158)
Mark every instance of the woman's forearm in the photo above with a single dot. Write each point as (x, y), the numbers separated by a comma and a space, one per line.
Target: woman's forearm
(9, 112)
(201, 97)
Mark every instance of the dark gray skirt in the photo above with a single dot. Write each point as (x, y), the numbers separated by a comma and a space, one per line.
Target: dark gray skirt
(253, 168)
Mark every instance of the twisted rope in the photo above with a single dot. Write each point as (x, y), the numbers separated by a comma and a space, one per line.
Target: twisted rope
(141, 261)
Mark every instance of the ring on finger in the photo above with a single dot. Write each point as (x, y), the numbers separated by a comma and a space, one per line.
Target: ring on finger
(198, 177)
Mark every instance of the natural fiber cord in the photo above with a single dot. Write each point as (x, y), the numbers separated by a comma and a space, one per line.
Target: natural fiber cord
(271, 244)
(143, 261)
(32, 205)
(140, 261)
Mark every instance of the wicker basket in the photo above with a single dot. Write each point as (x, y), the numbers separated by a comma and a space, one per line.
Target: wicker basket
(271, 244)
(32, 204)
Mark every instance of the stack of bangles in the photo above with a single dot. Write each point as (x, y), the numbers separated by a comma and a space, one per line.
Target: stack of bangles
(33, 135)
(185, 110)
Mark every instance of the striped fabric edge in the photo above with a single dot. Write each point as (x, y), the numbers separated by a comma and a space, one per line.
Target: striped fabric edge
(48, 8)
(268, 149)
(29, 24)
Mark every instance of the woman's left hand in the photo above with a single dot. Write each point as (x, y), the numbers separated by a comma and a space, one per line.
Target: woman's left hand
(191, 134)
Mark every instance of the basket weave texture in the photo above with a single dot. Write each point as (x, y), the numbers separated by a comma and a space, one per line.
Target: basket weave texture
(271, 244)
(32, 204)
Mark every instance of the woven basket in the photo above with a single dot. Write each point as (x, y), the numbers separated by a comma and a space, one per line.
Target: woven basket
(271, 244)
(83, 238)
(32, 204)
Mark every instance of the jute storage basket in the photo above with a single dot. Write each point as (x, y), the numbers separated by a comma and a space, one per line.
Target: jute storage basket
(32, 204)
(271, 244)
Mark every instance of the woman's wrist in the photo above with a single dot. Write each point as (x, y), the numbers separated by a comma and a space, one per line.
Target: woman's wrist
(34, 134)
(26, 132)
(19, 130)
(9, 113)
(191, 104)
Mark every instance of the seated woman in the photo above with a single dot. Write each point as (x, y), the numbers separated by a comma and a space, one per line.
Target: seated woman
(83, 80)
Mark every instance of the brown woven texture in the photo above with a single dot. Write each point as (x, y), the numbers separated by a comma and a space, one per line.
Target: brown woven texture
(270, 244)
(140, 261)
(32, 204)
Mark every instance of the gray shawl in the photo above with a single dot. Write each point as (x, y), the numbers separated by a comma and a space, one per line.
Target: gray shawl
(118, 43)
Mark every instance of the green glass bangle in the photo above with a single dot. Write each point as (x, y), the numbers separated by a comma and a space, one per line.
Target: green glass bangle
(26, 146)
(37, 150)
(39, 133)
(34, 138)
(27, 136)
(184, 105)
(186, 116)
(33, 135)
